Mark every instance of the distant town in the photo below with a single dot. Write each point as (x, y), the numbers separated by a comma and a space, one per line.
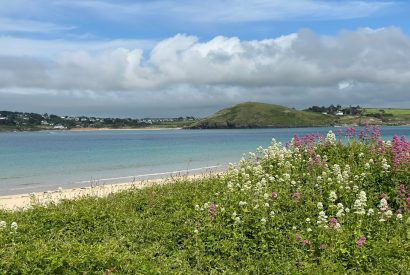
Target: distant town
(34, 121)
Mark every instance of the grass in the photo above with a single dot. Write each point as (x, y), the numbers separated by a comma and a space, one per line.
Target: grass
(392, 111)
(261, 217)
(262, 115)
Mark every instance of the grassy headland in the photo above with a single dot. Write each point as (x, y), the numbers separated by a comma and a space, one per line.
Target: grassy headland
(262, 115)
(312, 207)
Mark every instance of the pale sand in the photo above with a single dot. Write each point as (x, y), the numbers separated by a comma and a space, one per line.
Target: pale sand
(120, 129)
(26, 201)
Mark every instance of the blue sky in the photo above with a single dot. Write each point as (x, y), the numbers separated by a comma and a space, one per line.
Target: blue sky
(186, 57)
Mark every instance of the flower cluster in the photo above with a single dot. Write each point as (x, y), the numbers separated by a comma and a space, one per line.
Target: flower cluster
(323, 188)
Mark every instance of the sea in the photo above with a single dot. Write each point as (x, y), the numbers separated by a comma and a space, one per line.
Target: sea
(48, 160)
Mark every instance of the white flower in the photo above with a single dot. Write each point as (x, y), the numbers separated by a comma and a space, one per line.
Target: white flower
(263, 220)
(266, 204)
(347, 210)
(237, 219)
(3, 224)
(272, 213)
(266, 196)
(309, 230)
(331, 137)
(383, 206)
(307, 220)
(197, 207)
(196, 231)
(370, 212)
(294, 227)
(332, 196)
(242, 203)
(399, 216)
(14, 226)
(367, 165)
(389, 213)
(320, 205)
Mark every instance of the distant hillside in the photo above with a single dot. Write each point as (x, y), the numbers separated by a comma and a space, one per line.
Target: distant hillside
(261, 115)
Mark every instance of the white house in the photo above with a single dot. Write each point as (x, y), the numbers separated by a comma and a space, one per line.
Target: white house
(339, 113)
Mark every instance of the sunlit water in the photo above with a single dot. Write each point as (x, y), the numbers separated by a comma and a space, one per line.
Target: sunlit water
(41, 161)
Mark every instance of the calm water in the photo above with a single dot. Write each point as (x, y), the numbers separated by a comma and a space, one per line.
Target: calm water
(41, 161)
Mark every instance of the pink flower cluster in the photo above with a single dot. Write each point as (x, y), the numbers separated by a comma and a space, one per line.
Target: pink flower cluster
(401, 151)
(307, 141)
(360, 242)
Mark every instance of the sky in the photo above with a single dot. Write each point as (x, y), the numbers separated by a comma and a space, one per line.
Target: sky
(158, 58)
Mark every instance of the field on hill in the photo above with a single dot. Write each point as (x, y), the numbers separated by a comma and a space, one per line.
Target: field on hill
(392, 111)
(261, 115)
(315, 205)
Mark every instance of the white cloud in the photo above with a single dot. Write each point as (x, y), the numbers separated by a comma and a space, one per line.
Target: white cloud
(355, 67)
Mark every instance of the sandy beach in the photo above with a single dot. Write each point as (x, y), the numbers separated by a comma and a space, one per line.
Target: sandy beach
(26, 201)
(121, 129)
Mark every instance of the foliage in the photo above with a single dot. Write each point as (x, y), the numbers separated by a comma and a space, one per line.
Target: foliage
(261, 115)
(318, 203)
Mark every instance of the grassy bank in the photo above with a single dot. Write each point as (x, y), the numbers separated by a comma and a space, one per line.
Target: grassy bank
(316, 205)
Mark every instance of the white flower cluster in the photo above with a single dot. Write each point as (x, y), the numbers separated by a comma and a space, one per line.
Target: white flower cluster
(386, 213)
(330, 137)
(360, 203)
(13, 226)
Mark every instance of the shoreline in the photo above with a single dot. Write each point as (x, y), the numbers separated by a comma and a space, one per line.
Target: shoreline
(118, 129)
(25, 201)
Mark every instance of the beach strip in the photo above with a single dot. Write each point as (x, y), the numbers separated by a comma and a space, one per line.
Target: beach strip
(26, 201)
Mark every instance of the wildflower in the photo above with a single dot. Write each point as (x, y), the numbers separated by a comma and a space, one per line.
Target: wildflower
(323, 246)
(370, 212)
(266, 204)
(197, 207)
(322, 218)
(383, 206)
(212, 211)
(242, 203)
(274, 195)
(360, 242)
(307, 220)
(266, 196)
(237, 219)
(196, 231)
(263, 220)
(298, 237)
(320, 205)
(3, 224)
(272, 213)
(14, 226)
(332, 196)
(334, 224)
(305, 242)
(330, 137)
(309, 230)
(294, 227)
(399, 216)
(347, 210)
(388, 214)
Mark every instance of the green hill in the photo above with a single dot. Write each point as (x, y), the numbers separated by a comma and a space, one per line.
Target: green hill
(262, 115)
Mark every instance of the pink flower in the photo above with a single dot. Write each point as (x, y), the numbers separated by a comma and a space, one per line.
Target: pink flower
(306, 242)
(274, 195)
(360, 242)
(212, 211)
(298, 237)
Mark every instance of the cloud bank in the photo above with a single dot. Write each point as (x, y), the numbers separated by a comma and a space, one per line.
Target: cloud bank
(367, 66)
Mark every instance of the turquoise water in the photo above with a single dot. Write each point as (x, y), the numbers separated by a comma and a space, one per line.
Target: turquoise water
(41, 161)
